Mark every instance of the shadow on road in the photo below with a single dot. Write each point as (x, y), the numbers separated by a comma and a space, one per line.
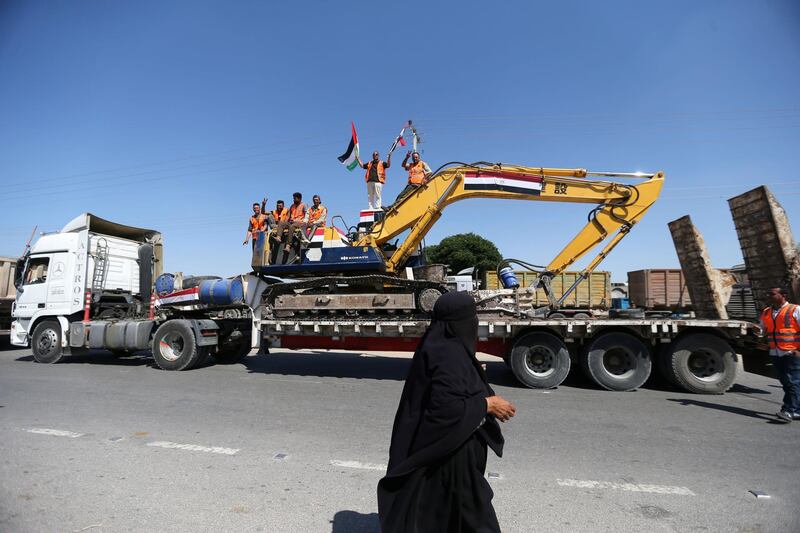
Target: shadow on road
(744, 389)
(353, 365)
(354, 522)
(727, 408)
(101, 358)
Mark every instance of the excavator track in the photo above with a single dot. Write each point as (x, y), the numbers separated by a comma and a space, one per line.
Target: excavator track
(425, 292)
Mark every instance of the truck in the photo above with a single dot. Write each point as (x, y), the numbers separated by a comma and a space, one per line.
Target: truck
(360, 287)
(91, 286)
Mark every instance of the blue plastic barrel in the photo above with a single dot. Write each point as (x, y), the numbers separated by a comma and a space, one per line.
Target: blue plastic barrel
(221, 291)
(165, 284)
(508, 278)
(620, 303)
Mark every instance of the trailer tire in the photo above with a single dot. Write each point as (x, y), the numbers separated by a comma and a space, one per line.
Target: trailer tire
(233, 352)
(617, 361)
(46, 342)
(702, 363)
(175, 347)
(540, 360)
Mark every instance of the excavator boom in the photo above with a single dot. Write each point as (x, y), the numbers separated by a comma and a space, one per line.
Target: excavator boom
(618, 206)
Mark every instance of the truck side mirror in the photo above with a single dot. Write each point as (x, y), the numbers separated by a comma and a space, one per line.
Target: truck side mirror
(19, 270)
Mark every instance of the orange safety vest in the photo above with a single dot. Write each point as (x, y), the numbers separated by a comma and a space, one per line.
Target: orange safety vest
(416, 173)
(315, 214)
(297, 212)
(783, 331)
(280, 217)
(381, 172)
(258, 223)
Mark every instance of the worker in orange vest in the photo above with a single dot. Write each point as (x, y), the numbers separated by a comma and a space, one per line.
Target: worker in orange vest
(295, 217)
(316, 216)
(781, 324)
(375, 178)
(418, 173)
(258, 223)
(279, 214)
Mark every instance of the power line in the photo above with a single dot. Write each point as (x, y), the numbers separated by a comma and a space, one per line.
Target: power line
(170, 161)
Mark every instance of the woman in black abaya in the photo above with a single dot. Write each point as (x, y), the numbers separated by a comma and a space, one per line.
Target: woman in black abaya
(446, 419)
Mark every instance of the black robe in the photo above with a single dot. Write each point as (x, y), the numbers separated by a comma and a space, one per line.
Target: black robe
(437, 459)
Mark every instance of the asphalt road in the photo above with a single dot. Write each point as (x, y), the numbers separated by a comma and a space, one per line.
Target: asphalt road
(296, 442)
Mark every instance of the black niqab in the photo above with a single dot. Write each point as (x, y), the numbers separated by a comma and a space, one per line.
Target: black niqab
(441, 430)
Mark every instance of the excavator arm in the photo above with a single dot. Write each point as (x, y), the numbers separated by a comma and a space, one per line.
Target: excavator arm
(617, 206)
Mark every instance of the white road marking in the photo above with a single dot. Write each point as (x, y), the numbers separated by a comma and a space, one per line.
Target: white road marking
(194, 447)
(357, 464)
(55, 432)
(629, 487)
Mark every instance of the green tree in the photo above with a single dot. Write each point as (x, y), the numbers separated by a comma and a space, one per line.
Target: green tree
(463, 251)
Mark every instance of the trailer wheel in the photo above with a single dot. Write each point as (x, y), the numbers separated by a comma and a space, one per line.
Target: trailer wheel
(174, 346)
(46, 342)
(702, 363)
(233, 351)
(540, 360)
(617, 361)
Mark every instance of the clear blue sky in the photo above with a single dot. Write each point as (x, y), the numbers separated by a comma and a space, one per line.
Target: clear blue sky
(178, 115)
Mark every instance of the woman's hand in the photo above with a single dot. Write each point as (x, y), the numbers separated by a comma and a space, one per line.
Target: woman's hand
(500, 408)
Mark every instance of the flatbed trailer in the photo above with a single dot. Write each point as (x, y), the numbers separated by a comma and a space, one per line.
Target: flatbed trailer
(697, 355)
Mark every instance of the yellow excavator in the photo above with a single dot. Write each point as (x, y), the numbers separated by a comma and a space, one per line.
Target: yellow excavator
(361, 271)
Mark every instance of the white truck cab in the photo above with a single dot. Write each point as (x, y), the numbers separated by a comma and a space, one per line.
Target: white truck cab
(91, 262)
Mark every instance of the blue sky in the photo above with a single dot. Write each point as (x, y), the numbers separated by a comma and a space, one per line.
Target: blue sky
(178, 115)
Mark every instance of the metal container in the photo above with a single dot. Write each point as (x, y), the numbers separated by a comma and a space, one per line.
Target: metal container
(593, 292)
(165, 284)
(508, 279)
(662, 288)
(431, 272)
(221, 291)
(8, 266)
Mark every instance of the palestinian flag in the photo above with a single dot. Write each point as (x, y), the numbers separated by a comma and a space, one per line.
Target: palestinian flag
(350, 157)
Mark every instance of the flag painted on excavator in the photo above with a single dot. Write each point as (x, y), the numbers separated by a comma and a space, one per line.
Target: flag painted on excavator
(503, 181)
(350, 157)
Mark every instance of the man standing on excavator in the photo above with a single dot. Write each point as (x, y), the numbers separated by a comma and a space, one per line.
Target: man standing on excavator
(418, 173)
(375, 178)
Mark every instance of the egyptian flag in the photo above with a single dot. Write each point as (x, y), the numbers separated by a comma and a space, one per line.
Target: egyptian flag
(350, 157)
(497, 180)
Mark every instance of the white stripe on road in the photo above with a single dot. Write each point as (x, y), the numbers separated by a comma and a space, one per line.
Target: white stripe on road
(629, 487)
(357, 464)
(55, 432)
(194, 447)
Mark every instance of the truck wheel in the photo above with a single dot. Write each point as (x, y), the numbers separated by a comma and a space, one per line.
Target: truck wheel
(540, 360)
(617, 361)
(232, 352)
(702, 363)
(46, 342)
(174, 346)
